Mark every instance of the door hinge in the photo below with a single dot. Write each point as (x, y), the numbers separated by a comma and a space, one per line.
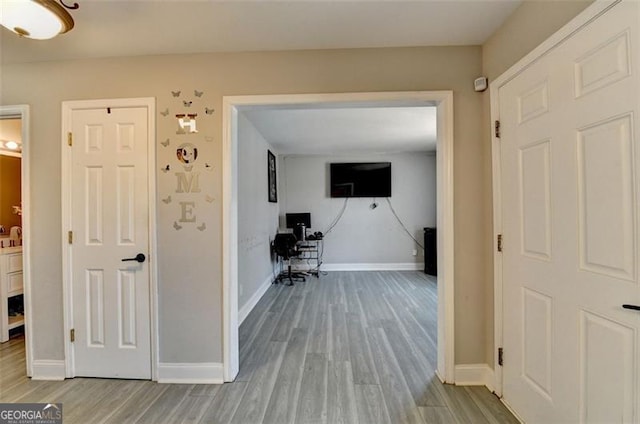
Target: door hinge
(70, 237)
(500, 356)
(70, 139)
(72, 335)
(499, 242)
(497, 128)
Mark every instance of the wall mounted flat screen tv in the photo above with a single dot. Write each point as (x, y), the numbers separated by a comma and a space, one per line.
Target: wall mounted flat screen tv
(372, 179)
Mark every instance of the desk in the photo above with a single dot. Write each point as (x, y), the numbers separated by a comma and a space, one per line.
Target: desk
(310, 253)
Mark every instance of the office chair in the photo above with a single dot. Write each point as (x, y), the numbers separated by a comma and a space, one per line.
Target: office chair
(285, 247)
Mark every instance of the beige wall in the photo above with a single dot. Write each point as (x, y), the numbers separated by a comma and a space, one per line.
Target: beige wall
(190, 297)
(531, 24)
(527, 27)
(10, 186)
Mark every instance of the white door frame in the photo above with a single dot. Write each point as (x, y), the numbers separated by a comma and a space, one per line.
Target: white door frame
(443, 100)
(576, 24)
(68, 107)
(22, 111)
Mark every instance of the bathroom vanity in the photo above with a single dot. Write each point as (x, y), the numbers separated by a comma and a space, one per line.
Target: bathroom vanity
(11, 286)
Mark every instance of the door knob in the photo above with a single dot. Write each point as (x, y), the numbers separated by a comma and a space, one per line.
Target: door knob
(139, 258)
(634, 307)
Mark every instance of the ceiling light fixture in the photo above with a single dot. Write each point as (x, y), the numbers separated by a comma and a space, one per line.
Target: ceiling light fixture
(37, 19)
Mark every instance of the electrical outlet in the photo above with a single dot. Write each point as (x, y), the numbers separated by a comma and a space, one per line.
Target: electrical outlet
(415, 252)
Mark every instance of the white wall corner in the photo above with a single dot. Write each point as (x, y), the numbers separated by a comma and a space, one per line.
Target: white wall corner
(48, 369)
(246, 309)
(475, 375)
(410, 266)
(191, 373)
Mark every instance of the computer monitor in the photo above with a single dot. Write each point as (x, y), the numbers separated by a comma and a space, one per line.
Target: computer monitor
(293, 219)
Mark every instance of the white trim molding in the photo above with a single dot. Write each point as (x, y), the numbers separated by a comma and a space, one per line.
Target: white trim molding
(253, 301)
(445, 239)
(443, 101)
(475, 375)
(190, 373)
(409, 266)
(48, 369)
(576, 24)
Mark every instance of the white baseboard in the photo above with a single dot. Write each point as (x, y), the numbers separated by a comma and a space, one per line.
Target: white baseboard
(191, 373)
(246, 309)
(48, 369)
(475, 375)
(409, 266)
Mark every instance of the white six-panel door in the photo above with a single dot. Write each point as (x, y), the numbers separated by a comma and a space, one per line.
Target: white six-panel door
(570, 148)
(109, 219)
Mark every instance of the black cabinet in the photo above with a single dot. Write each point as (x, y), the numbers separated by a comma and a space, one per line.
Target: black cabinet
(430, 251)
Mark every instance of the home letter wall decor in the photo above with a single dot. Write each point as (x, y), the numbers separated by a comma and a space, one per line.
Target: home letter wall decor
(185, 164)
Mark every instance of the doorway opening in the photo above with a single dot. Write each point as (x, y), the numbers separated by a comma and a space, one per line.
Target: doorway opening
(15, 295)
(442, 101)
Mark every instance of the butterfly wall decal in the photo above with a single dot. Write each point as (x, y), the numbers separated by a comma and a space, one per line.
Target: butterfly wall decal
(165, 112)
(208, 139)
(165, 143)
(209, 199)
(209, 111)
(198, 93)
(187, 103)
(167, 200)
(177, 226)
(175, 93)
(166, 168)
(202, 227)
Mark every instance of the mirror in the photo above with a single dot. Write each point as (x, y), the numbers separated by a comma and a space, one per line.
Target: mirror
(11, 135)
(10, 173)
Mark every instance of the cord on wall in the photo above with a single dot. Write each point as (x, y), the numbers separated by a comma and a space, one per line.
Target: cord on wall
(402, 224)
(338, 217)
(344, 208)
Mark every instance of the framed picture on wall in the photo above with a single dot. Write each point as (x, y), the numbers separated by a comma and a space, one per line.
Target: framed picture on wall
(271, 176)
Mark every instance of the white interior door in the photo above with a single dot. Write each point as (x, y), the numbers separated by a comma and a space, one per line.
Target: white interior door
(109, 208)
(570, 162)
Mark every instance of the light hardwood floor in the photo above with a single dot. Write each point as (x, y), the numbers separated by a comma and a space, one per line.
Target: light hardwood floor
(350, 347)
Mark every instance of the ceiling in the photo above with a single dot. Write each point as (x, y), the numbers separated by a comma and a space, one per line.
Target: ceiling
(145, 27)
(148, 27)
(341, 131)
